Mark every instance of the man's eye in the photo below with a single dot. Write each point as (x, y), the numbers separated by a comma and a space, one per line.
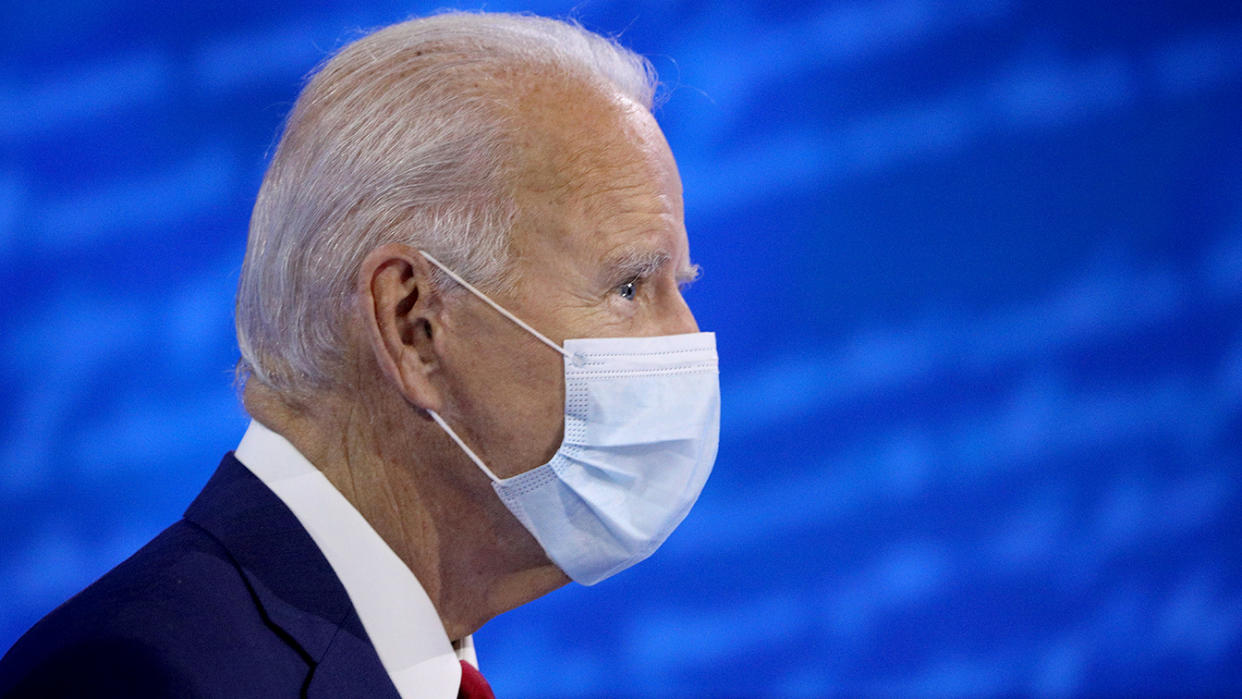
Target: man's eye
(628, 290)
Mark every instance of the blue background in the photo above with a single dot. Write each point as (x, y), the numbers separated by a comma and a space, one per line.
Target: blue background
(975, 268)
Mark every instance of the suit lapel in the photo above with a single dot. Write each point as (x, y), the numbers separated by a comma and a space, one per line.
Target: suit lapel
(292, 583)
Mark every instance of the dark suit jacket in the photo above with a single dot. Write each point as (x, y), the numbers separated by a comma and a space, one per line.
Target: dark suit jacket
(234, 600)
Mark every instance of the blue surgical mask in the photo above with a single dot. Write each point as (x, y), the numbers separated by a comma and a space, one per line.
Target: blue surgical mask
(642, 424)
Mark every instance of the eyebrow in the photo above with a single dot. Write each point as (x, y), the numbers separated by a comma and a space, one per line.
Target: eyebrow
(645, 263)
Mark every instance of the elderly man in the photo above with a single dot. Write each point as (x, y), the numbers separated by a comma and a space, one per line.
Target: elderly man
(472, 375)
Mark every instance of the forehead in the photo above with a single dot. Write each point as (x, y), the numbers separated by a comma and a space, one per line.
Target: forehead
(597, 179)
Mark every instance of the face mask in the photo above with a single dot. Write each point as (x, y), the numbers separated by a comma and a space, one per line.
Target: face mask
(642, 422)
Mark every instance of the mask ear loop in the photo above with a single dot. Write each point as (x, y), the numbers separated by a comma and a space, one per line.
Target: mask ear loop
(469, 452)
(577, 361)
(572, 357)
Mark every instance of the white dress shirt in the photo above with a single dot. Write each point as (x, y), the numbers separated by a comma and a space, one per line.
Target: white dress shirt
(395, 610)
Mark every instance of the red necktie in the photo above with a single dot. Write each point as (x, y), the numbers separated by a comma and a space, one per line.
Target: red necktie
(473, 686)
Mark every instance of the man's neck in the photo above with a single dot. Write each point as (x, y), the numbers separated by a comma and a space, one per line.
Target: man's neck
(440, 516)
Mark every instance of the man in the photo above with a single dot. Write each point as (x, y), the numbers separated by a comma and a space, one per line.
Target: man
(471, 371)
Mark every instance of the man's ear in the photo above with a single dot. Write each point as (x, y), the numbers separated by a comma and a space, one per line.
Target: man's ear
(400, 309)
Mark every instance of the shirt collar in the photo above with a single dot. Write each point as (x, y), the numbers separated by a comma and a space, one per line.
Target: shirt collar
(396, 612)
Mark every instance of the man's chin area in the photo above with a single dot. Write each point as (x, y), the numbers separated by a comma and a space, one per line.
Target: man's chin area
(515, 589)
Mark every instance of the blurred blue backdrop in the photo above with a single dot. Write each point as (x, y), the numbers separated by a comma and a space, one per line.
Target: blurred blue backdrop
(976, 271)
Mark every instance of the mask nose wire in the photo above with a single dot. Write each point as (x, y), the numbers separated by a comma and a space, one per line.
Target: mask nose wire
(499, 309)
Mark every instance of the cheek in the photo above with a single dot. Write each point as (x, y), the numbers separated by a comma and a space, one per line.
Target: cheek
(508, 391)
(525, 399)
(537, 435)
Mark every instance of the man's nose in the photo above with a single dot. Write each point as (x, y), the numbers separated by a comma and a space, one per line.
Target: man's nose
(677, 318)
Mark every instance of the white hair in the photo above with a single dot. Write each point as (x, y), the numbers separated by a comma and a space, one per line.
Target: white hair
(405, 135)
